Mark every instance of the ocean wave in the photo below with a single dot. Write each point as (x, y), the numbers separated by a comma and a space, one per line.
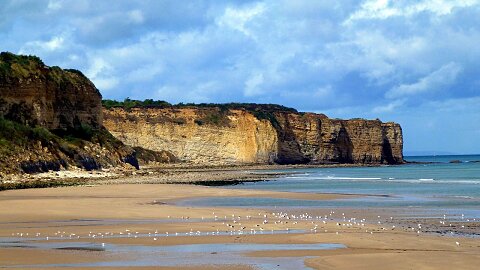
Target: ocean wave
(391, 180)
(464, 197)
(298, 177)
(347, 178)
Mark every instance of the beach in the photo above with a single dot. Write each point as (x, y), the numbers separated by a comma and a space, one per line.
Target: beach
(116, 225)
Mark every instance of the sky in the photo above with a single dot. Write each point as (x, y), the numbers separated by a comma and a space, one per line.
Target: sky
(412, 62)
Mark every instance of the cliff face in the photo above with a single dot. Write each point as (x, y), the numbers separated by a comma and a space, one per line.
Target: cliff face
(314, 138)
(218, 136)
(51, 119)
(196, 135)
(34, 94)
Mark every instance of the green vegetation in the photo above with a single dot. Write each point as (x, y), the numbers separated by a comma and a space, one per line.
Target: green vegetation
(251, 107)
(216, 116)
(65, 77)
(9, 57)
(16, 138)
(75, 135)
(150, 103)
(267, 115)
(132, 103)
(13, 135)
(19, 66)
(14, 66)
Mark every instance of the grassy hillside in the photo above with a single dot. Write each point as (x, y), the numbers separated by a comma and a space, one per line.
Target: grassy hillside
(36, 149)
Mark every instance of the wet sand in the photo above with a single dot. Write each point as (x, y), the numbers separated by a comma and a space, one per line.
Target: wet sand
(76, 214)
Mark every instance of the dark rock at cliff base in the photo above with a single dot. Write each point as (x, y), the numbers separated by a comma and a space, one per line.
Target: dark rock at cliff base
(146, 156)
(42, 166)
(132, 160)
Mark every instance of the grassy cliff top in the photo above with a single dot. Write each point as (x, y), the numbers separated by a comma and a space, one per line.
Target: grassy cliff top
(150, 103)
(13, 66)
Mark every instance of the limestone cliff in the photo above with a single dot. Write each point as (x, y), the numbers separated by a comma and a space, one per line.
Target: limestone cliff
(315, 138)
(193, 135)
(219, 135)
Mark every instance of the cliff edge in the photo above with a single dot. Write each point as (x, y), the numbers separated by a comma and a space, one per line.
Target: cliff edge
(34, 94)
(251, 133)
(51, 119)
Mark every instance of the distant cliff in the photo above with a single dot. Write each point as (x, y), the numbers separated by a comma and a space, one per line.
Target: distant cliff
(249, 133)
(51, 119)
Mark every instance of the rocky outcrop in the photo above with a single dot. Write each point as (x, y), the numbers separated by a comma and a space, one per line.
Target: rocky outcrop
(215, 135)
(51, 119)
(315, 138)
(34, 94)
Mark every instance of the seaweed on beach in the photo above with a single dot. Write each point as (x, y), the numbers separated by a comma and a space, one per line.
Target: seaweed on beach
(46, 183)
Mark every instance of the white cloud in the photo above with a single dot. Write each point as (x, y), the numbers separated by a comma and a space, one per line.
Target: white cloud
(238, 18)
(383, 9)
(443, 77)
(136, 16)
(105, 84)
(55, 43)
(98, 66)
(323, 92)
(390, 107)
(253, 85)
(54, 5)
(391, 58)
(102, 74)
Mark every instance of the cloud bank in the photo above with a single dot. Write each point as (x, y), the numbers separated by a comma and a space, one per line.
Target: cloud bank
(395, 60)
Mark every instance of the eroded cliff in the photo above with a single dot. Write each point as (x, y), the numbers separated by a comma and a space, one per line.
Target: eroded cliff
(196, 135)
(51, 119)
(34, 94)
(226, 135)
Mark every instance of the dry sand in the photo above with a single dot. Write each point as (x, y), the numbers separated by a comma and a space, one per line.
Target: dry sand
(145, 208)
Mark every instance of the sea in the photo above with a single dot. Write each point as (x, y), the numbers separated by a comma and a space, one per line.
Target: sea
(450, 184)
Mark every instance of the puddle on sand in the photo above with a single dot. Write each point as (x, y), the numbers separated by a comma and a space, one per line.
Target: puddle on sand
(181, 255)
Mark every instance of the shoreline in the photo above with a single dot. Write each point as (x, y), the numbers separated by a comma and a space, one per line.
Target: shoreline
(179, 173)
(144, 209)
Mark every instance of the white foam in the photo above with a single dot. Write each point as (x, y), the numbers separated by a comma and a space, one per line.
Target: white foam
(347, 178)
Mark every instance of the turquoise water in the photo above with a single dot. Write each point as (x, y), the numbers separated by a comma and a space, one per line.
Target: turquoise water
(441, 185)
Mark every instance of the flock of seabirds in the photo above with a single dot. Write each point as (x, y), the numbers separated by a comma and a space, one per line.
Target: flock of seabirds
(264, 223)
